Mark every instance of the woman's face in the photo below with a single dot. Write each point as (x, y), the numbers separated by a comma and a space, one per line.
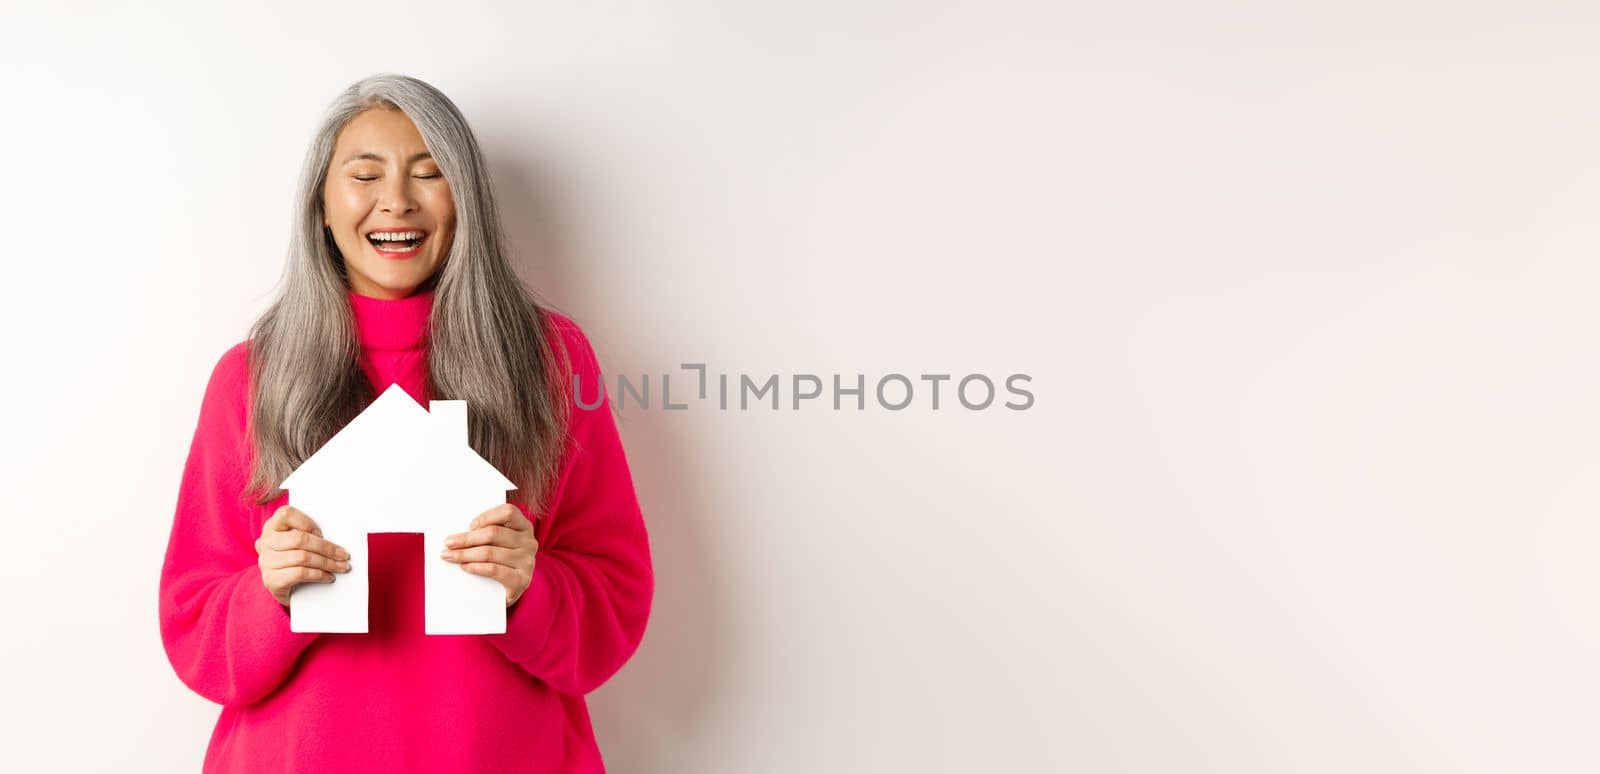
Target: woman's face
(382, 184)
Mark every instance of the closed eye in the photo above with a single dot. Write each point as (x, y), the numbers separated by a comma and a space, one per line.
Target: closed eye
(370, 178)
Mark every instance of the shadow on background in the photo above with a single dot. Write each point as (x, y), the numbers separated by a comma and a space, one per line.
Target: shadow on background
(658, 701)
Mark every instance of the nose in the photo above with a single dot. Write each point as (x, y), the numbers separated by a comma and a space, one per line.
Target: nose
(396, 196)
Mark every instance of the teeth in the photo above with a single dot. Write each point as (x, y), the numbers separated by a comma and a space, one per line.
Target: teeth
(395, 236)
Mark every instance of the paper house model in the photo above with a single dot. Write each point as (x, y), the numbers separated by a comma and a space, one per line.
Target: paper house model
(398, 467)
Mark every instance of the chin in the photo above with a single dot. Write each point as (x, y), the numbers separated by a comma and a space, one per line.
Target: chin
(400, 285)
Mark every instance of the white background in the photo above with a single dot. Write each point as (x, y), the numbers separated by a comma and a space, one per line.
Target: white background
(1307, 296)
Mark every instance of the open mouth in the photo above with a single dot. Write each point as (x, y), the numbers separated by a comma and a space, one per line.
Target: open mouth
(397, 244)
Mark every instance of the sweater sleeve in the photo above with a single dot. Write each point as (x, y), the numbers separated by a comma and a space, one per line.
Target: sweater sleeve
(225, 634)
(584, 613)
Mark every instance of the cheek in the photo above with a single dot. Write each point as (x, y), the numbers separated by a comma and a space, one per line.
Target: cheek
(345, 205)
(442, 208)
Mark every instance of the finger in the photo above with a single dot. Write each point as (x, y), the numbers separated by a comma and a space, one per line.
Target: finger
(290, 576)
(506, 575)
(300, 557)
(505, 514)
(292, 539)
(493, 535)
(289, 517)
(278, 560)
(491, 554)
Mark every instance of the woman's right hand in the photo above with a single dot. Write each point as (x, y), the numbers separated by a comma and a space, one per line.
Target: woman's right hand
(292, 551)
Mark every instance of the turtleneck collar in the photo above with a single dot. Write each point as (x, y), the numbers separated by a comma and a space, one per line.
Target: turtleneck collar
(386, 324)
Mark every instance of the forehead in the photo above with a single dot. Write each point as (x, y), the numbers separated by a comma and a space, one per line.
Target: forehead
(382, 131)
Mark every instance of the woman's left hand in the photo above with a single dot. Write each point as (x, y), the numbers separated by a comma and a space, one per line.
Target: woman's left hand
(500, 545)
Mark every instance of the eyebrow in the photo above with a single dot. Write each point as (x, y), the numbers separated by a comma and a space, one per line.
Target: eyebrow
(370, 156)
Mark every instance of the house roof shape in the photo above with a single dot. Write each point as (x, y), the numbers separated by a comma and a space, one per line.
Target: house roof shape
(394, 440)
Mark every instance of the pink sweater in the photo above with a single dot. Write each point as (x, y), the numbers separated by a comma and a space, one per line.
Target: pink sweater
(394, 699)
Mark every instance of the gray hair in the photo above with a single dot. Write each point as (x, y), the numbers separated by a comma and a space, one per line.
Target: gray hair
(490, 342)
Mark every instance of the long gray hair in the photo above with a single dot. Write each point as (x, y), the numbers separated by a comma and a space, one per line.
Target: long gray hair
(489, 341)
